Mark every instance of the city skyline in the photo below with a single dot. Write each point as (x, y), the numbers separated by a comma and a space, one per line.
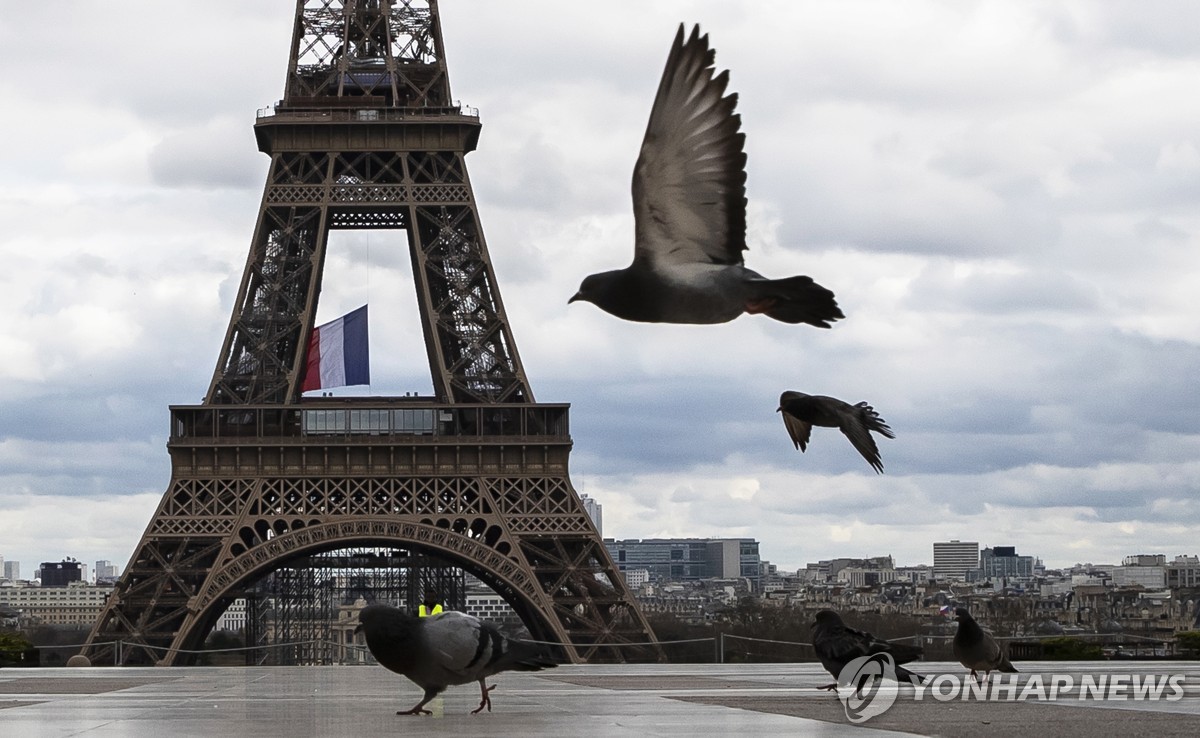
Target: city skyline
(1116, 561)
(1003, 196)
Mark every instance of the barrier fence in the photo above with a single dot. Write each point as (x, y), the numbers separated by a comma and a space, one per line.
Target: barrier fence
(723, 644)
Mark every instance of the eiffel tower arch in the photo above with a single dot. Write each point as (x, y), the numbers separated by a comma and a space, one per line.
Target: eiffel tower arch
(367, 137)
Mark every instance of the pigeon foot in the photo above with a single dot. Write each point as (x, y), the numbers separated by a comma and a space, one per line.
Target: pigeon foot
(486, 700)
(415, 711)
(755, 307)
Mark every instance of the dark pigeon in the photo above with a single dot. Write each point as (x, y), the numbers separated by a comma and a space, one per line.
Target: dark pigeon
(689, 209)
(443, 650)
(801, 412)
(976, 649)
(837, 645)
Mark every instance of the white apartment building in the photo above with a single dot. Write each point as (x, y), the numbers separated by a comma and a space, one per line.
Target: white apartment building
(76, 604)
(953, 559)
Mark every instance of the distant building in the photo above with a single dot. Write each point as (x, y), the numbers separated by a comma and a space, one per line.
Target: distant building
(953, 559)
(636, 578)
(1148, 575)
(1145, 560)
(76, 603)
(487, 605)
(106, 571)
(689, 559)
(882, 568)
(12, 570)
(234, 617)
(859, 577)
(60, 573)
(1002, 562)
(1184, 571)
(595, 511)
(918, 573)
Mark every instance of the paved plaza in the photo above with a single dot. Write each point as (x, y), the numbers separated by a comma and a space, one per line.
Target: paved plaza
(571, 700)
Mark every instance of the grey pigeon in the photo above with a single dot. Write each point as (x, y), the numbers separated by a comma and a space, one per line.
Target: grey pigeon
(976, 649)
(689, 209)
(801, 412)
(445, 649)
(837, 645)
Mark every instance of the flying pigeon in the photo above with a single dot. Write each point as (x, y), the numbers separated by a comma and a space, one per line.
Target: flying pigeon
(445, 649)
(836, 646)
(976, 649)
(801, 412)
(689, 209)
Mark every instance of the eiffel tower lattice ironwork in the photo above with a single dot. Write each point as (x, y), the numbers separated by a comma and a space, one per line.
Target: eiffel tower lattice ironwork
(367, 136)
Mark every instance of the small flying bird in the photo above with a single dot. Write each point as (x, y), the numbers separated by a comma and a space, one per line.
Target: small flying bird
(837, 645)
(689, 209)
(976, 649)
(443, 650)
(801, 412)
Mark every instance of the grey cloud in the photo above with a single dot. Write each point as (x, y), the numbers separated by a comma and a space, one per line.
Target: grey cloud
(215, 155)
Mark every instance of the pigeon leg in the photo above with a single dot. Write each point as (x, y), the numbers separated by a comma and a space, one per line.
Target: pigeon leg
(429, 694)
(829, 687)
(485, 698)
(754, 307)
(975, 677)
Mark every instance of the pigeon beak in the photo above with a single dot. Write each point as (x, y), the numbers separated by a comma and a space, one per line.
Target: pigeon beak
(779, 409)
(358, 629)
(574, 297)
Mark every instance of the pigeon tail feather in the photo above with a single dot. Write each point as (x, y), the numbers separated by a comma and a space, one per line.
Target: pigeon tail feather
(872, 420)
(799, 300)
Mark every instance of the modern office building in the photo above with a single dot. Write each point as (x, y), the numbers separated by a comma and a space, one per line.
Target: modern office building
(61, 573)
(106, 571)
(1002, 562)
(595, 511)
(1145, 570)
(689, 559)
(12, 570)
(953, 559)
(1184, 571)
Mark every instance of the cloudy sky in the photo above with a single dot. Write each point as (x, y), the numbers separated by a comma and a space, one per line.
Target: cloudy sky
(1004, 196)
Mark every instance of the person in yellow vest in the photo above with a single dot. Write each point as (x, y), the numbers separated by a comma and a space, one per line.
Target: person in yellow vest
(430, 605)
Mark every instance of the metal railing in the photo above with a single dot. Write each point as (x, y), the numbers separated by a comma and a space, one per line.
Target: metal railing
(355, 419)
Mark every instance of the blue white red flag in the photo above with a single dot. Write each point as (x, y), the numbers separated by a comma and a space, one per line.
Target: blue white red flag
(338, 354)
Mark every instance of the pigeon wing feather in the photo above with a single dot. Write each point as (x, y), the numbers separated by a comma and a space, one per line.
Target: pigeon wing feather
(860, 438)
(689, 183)
(798, 429)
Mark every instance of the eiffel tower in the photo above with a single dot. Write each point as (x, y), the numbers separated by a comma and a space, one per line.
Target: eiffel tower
(367, 137)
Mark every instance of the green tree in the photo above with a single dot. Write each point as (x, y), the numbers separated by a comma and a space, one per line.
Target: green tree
(1070, 649)
(16, 650)
(1189, 643)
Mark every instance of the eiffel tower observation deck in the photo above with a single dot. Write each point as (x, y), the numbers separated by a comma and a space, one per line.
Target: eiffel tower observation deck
(366, 136)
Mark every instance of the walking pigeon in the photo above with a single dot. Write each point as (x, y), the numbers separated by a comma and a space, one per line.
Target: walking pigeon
(801, 412)
(837, 645)
(689, 209)
(976, 649)
(445, 649)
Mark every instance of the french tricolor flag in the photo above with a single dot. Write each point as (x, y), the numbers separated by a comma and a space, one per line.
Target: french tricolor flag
(337, 353)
